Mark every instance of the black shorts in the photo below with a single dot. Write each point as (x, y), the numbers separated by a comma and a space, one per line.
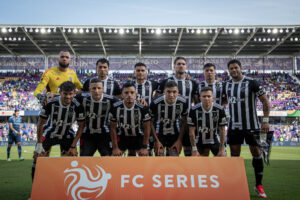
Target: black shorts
(90, 143)
(186, 138)
(130, 142)
(213, 147)
(238, 136)
(65, 144)
(167, 140)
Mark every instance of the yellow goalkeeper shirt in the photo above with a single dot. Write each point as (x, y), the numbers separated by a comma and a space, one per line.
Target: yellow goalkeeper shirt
(53, 78)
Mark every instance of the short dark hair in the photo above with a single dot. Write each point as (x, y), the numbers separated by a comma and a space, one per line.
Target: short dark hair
(128, 84)
(179, 58)
(170, 84)
(17, 110)
(205, 89)
(95, 80)
(86, 85)
(209, 65)
(140, 64)
(102, 60)
(67, 86)
(234, 61)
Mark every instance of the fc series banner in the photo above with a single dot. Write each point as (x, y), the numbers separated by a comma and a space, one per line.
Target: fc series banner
(131, 178)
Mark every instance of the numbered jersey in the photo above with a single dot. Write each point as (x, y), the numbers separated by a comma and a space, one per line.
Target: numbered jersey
(96, 112)
(167, 116)
(146, 90)
(187, 88)
(242, 100)
(207, 122)
(60, 118)
(217, 88)
(130, 120)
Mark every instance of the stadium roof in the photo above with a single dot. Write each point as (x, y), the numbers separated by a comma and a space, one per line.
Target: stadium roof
(202, 41)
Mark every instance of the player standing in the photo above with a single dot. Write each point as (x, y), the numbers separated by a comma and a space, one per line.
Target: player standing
(145, 89)
(14, 135)
(187, 88)
(242, 93)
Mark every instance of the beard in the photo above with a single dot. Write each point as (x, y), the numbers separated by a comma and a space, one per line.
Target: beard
(63, 65)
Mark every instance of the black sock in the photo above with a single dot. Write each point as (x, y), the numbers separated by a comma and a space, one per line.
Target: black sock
(33, 170)
(187, 153)
(258, 166)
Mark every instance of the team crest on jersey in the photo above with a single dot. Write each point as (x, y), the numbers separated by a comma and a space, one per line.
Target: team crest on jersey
(215, 116)
(187, 85)
(71, 112)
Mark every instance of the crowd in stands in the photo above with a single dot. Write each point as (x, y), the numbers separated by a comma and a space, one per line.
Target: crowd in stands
(17, 89)
(28, 132)
(282, 132)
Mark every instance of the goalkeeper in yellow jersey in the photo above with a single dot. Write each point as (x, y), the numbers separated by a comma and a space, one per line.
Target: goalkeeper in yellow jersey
(55, 76)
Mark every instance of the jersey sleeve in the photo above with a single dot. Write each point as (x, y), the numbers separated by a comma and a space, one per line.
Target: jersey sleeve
(153, 110)
(185, 109)
(77, 83)
(154, 85)
(42, 84)
(257, 89)
(113, 113)
(195, 88)
(79, 110)
(146, 114)
(46, 111)
(117, 89)
(222, 118)
(192, 118)
(10, 120)
(161, 86)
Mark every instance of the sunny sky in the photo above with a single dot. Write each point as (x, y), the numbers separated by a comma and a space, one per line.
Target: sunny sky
(151, 12)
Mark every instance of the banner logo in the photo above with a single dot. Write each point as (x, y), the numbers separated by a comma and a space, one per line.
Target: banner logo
(82, 183)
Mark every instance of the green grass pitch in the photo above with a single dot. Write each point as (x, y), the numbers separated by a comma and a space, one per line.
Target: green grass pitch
(281, 178)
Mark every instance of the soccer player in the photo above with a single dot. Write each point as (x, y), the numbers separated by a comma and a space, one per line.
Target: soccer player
(55, 76)
(242, 93)
(209, 70)
(110, 87)
(97, 106)
(187, 88)
(169, 111)
(55, 123)
(133, 120)
(144, 89)
(206, 118)
(14, 135)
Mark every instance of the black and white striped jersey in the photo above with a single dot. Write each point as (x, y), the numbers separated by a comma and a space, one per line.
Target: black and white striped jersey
(96, 112)
(146, 90)
(217, 88)
(242, 100)
(60, 118)
(167, 116)
(110, 87)
(207, 122)
(187, 88)
(130, 120)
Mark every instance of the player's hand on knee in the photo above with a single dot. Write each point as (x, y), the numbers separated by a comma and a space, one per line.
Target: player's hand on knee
(158, 148)
(222, 153)
(39, 150)
(195, 153)
(72, 152)
(177, 146)
(143, 152)
(117, 152)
